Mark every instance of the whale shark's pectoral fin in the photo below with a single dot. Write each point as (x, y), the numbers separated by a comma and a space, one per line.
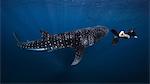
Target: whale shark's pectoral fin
(78, 55)
(45, 34)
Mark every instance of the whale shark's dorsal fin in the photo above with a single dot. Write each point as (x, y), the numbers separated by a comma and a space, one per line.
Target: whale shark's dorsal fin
(45, 34)
(78, 55)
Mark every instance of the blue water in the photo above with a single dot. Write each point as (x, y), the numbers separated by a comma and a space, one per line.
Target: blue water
(125, 62)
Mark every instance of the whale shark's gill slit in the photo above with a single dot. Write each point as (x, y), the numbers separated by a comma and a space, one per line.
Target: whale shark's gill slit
(79, 40)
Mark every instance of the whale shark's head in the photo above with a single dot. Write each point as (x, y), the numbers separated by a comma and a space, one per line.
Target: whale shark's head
(99, 32)
(94, 34)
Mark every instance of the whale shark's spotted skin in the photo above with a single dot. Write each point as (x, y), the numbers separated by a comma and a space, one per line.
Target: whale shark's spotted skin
(78, 40)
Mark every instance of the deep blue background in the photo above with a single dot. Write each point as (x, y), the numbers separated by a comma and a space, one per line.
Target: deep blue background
(125, 62)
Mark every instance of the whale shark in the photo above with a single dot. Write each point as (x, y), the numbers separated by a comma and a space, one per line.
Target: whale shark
(78, 40)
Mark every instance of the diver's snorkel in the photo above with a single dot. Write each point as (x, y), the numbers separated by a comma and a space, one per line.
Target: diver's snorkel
(132, 34)
(135, 36)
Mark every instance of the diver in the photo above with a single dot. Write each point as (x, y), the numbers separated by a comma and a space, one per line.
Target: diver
(122, 35)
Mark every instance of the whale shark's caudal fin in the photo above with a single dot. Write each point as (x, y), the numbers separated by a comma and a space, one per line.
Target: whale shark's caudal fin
(16, 38)
(78, 55)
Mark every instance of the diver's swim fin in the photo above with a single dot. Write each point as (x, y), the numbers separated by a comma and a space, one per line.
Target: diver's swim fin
(115, 32)
(115, 40)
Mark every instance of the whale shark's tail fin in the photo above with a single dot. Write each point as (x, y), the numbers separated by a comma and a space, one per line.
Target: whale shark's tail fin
(16, 38)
